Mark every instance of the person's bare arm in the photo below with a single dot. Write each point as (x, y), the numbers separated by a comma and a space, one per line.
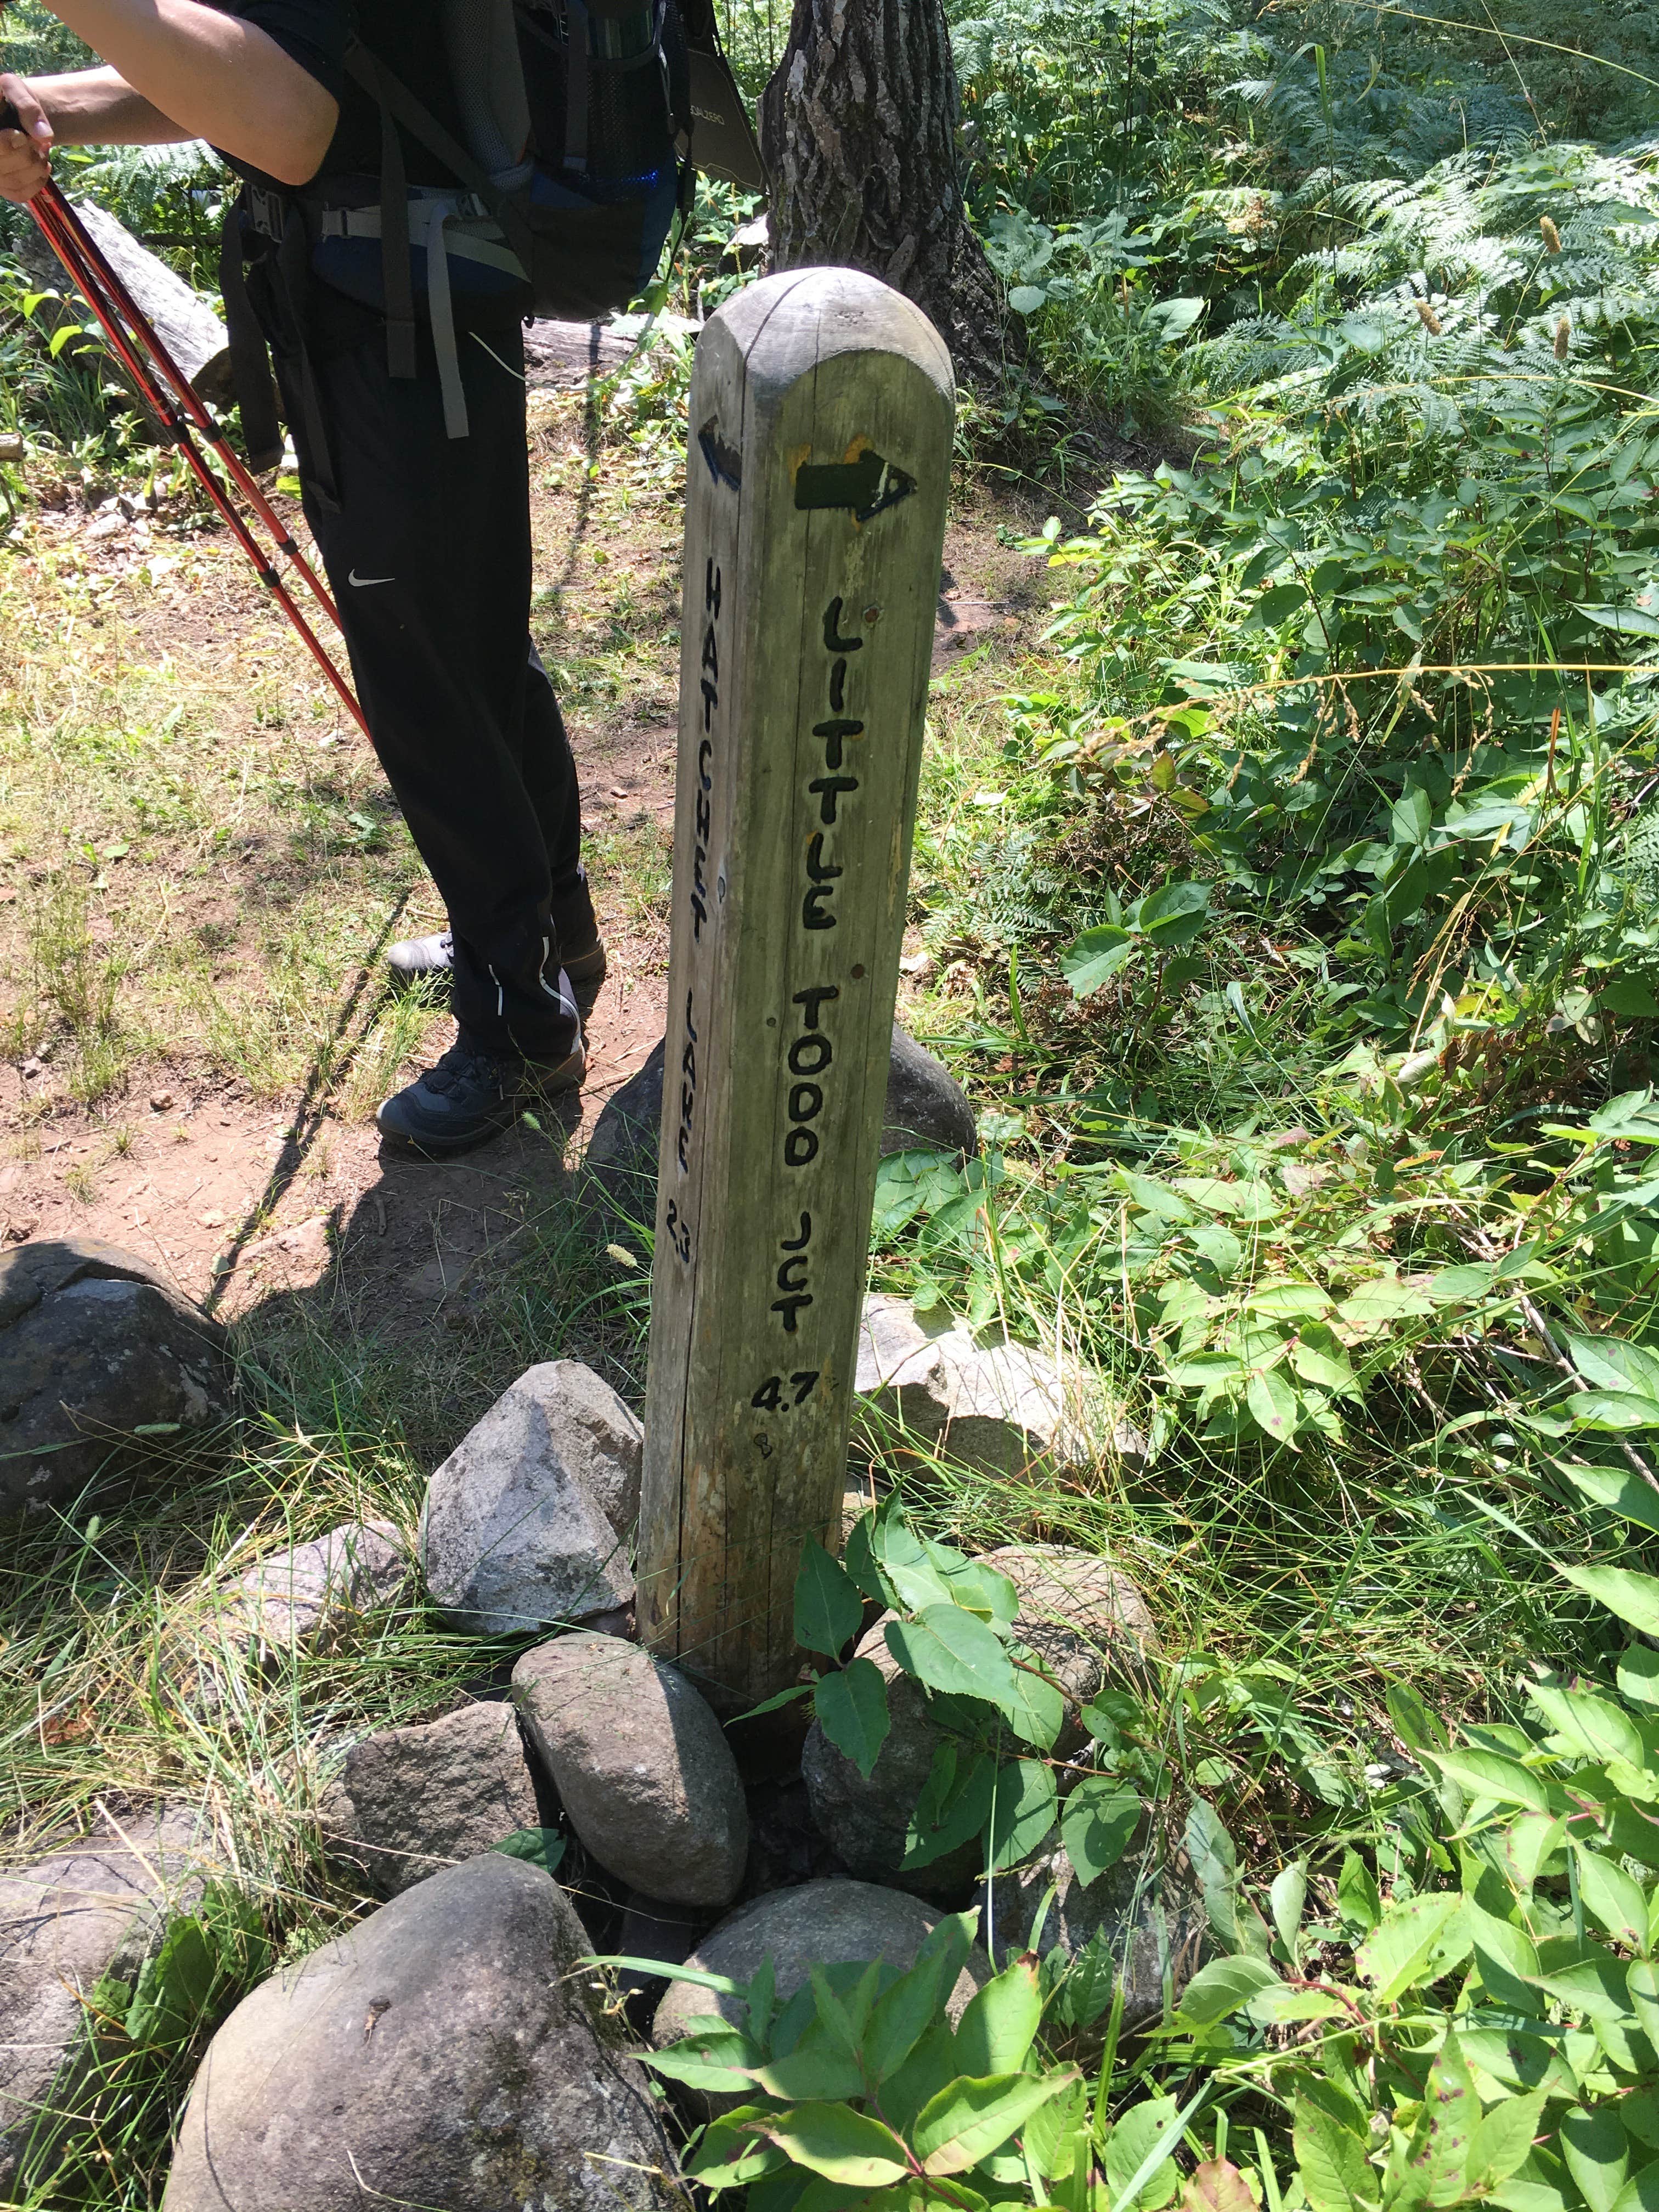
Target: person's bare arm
(99, 107)
(92, 108)
(206, 74)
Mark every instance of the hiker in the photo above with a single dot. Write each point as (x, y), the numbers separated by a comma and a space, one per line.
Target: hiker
(398, 352)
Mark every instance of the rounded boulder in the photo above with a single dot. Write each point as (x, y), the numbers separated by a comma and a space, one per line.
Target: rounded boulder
(643, 1769)
(1146, 1916)
(408, 1801)
(822, 1923)
(101, 1362)
(438, 2053)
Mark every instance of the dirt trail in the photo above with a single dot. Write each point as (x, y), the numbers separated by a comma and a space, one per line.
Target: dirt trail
(238, 1199)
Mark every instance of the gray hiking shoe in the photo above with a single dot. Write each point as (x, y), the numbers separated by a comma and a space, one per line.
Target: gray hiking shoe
(470, 1096)
(420, 959)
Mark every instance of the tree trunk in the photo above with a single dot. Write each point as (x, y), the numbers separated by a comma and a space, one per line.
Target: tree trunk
(857, 126)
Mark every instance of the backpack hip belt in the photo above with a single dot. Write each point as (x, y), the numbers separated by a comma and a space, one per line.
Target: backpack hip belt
(443, 225)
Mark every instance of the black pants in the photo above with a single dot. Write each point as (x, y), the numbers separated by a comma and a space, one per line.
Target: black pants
(426, 547)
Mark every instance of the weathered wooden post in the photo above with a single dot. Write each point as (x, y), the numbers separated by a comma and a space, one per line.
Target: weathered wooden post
(819, 459)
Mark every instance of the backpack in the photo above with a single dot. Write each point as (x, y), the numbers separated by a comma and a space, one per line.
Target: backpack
(577, 117)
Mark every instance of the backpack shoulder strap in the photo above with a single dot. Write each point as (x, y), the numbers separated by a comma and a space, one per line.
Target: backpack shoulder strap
(399, 105)
(394, 98)
(250, 359)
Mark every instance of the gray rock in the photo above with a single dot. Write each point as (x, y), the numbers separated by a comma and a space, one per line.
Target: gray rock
(748, 244)
(865, 1822)
(308, 1594)
(1082, 1616)
(524, 1523)
(94, 1909)
(925, 1108)
(598, 1437)
(96, 1345)
(1086, 1620)
(409, 1802)
(821, 1923)
(439, 2053)
(643, 1768)
(1146, 1916)
(929, 1381)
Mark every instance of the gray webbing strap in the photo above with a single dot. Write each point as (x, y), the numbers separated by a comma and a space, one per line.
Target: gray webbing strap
(467, 239)
(577, 48)
(442, 314)
(396, 98)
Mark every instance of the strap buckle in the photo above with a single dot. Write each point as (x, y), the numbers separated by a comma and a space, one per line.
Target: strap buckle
(267, 211)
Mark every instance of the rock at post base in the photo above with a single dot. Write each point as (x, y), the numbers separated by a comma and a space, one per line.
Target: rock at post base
(95, 1908)
(1005, 1407)
(1142, 1919)
(515, 1532)
(821, 1923)
(600, 1436)
(1083, 1619)
(94, 1346)
(439, 2053)
(643, 1769)
(307, 1594)
(409, 1802)
(926, 1109)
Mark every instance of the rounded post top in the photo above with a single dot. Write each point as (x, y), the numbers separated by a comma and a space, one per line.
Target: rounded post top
(785, 325)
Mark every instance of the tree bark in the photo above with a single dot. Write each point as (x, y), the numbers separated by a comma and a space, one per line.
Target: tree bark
(857, 126)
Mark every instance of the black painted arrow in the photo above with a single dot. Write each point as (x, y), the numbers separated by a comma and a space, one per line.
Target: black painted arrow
(725, 463)
(865, 487)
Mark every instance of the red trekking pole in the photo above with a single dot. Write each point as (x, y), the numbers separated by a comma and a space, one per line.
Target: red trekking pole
(167, 392)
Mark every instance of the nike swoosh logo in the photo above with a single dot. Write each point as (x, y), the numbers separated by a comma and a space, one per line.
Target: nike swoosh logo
(360, 581)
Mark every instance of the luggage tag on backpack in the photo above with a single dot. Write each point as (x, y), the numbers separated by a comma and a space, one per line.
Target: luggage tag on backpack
(723, 142)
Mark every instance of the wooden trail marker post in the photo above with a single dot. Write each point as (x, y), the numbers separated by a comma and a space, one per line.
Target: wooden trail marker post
(819, 463)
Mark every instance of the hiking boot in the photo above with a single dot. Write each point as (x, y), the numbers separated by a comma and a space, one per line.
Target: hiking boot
(418, 959)
(472, 1095)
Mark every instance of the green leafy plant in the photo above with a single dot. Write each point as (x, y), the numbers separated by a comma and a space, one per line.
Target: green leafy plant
(1151, 928)
(859, 2089)
(1496, 2038)
(955, 1633)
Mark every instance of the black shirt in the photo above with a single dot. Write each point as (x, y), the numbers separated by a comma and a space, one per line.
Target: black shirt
(407, 36)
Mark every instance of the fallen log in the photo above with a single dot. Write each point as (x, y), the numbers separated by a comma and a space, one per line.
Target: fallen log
(184, 320)
(558, 355)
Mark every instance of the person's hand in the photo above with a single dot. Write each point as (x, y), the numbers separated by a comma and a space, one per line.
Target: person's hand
(24, 149)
